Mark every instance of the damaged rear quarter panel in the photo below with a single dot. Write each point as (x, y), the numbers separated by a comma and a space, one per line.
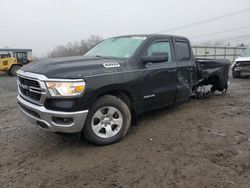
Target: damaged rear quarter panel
(213, 68)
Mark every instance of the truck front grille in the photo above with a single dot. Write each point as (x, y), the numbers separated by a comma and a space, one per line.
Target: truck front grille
(244, 65)
(30, 88)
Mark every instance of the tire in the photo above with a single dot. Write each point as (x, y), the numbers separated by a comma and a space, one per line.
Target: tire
(13, 70)
(108, 121)
(213, 89)
(236, 74)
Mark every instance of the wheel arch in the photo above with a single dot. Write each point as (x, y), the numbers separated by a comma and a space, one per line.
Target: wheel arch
(217, 82)
(11, 66)
(214, 80)
(15, 64)
(125, 96)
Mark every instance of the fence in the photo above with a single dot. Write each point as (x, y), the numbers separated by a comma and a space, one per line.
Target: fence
(214, 52)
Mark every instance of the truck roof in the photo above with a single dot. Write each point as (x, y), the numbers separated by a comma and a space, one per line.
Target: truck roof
(152, 36)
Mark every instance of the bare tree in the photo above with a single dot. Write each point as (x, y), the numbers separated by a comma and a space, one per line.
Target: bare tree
(93, 40)
(75, 48)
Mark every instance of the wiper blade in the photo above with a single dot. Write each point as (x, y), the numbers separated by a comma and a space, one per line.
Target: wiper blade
(102, 56)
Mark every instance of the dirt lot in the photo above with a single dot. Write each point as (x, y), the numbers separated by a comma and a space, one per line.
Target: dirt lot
(201, 143)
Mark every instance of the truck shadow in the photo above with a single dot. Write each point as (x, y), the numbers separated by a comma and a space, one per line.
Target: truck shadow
(4, 74)
(144, 121)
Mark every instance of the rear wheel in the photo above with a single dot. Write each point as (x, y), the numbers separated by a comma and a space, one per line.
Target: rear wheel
(236, 74)
(108, 121)
(13, 70)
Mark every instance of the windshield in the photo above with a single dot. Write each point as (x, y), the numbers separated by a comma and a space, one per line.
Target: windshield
(246, 53)
(118, 47)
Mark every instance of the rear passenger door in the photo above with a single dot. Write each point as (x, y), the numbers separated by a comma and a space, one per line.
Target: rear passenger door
(185, 69)
(159, 82)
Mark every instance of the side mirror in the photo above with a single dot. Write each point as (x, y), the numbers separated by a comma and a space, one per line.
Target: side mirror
(155, 58)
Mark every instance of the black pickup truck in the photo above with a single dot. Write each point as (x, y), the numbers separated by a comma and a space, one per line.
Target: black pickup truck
(100, 93)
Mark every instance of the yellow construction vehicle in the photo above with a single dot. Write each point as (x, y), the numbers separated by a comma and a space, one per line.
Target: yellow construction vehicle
(12, 59)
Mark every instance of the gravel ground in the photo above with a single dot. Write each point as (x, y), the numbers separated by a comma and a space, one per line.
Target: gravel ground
(201, 143)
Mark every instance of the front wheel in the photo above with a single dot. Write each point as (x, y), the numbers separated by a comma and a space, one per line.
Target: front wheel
(108, 121)
(13, 70)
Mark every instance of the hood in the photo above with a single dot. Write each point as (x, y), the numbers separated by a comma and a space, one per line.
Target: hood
(242, 59)
(75, 67)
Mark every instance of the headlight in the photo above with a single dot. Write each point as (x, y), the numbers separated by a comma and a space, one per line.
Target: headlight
(65, 89)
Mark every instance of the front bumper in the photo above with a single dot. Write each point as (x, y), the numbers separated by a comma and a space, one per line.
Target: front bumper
(53, 120)
(243, 71)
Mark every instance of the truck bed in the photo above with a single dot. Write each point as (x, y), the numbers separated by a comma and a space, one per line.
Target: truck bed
(213, 71)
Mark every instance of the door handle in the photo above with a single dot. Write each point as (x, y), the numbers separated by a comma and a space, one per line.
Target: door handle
(171, 70)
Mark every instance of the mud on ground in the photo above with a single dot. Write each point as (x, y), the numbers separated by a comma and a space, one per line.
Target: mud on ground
(201, 143)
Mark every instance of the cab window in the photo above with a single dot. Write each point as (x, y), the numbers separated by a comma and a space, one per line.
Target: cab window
(182, 51)
(160, 47)
(21, 56)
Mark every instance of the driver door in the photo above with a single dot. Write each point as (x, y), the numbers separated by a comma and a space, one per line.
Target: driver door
(159, 84)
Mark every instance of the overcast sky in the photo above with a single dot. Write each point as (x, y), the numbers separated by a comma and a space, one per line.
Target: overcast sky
(43, 24)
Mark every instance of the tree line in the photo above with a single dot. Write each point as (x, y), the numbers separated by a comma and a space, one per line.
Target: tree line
(75, 48)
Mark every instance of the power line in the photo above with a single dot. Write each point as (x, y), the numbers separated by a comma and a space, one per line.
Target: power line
(235, 39)
(243, 40)
(225, 31)
(206, 21)
(226, 39)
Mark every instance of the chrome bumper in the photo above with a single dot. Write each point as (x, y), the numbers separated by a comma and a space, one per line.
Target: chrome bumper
(45, 118)
(242, 69)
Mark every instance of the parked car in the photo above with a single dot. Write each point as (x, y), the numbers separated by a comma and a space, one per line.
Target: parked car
(101, 93)
(241, 66)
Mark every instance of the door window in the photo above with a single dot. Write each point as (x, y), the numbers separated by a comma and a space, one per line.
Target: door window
(182, 51)
(160, 47)
(21, 56)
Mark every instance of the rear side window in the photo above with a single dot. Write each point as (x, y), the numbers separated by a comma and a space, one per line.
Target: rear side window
(160, 47)
(182, 51)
